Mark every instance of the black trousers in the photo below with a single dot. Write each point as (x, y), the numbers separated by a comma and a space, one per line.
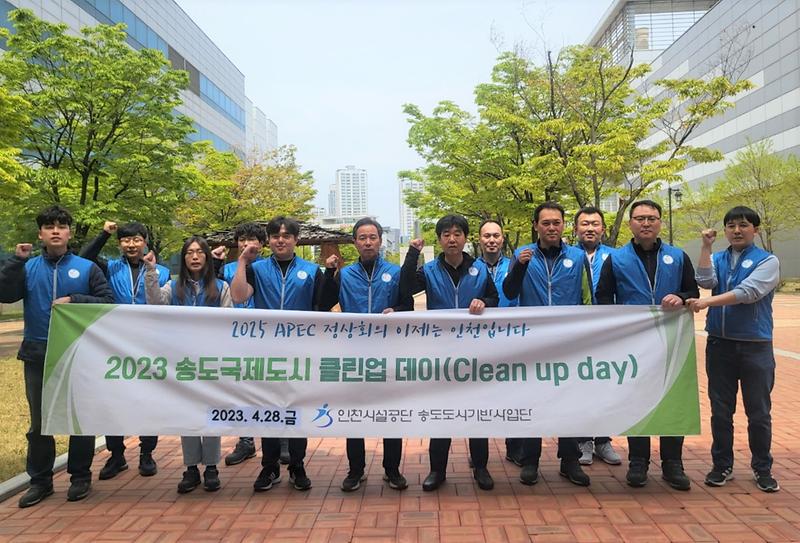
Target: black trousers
(439, 452)
(532, 449)
(512, 444)
(392, 452)
(671, 448)
(116, 444)
(42, 449)
(271, 451)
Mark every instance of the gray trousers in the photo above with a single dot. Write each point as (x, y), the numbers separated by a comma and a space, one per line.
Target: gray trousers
(201, 450)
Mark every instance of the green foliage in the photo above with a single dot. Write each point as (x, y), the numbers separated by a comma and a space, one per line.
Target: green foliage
(573, 130)
(103, 138)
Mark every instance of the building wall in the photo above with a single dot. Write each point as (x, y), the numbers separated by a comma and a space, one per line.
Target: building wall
(351, 192)
(408, 215)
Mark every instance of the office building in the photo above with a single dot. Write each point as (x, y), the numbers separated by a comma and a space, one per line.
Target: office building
(408, 215)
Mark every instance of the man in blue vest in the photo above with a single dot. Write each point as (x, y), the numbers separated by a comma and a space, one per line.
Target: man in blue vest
(244, 234)
(126, 277)
(287, 282)
(550, 272)
(743, 279)
(590, 226)
(55, 277)
(453, 280)
(648, 271)
(370, 285)
(492, 240)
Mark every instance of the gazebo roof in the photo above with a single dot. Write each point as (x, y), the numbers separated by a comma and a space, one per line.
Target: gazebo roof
(310, 234)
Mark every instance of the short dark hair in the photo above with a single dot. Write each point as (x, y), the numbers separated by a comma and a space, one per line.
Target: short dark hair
(250, 230)
(292, 226)
(648, 203)
(742, 212)
(132, 229)
(368, 221)
(590, 210)
(547, 205)
(489, 221)
(52, 215)
(449, 221)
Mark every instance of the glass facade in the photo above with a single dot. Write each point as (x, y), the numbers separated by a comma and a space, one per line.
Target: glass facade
(114, 12)
(221, 101)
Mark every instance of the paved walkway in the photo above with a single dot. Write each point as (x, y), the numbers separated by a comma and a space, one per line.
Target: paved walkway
(132, 508)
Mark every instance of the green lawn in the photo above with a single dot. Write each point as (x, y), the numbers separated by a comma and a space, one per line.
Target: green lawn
(14, 420)
(11, 316)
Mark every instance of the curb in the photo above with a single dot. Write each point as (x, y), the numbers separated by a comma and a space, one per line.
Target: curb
(21, 482)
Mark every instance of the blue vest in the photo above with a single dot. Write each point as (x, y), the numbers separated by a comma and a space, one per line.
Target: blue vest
(294, 291)
(600, 256)
(740, 321)
(229, 270)
(561, 285)
(440, 291)
(120, 279)
(189, 298)
(498, 276)
(360, 293)
(633, 283)
(46, 280)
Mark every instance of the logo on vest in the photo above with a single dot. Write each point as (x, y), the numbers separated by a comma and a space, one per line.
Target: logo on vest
(473, 271)
(568, 263)
(746, 264)
(302, 275)
(386, 277)
(74, 274)
(667, 259)
(604, 257)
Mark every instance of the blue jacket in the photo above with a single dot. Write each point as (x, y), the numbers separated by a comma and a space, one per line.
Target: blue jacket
(120, 279)
(359, 293)
(561, 285)
(441, 293)
(633, 283)
(741, 321)
(229, 270)
(190, 299)
(498, 276)
(600, 256)
(294, 291)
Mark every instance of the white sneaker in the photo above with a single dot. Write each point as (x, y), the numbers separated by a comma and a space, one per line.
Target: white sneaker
(587, 448)
(606, 453)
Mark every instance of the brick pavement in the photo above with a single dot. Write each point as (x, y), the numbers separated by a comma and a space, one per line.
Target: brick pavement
(132, 508)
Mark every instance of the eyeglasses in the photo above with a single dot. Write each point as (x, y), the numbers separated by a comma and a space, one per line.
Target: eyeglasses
(646, 219)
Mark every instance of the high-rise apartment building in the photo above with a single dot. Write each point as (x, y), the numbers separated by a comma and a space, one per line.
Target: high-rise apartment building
(408, 215)
(215, 99)
(349, 193)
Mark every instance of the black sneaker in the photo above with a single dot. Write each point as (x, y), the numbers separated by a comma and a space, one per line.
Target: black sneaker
(190, 480)
(396, 480)
(637, 472)
(78, 490)
(484, 478)
(114, 465)
(211, 479)
(719, 476)
(529, 475)
(353, 481)
(34, 495)
(298, 478)
(672, 472)
(285, 457)
(243, 450)
(266, 478)
(766, 482)
(571, 469)
(147, 466)
(514, 456)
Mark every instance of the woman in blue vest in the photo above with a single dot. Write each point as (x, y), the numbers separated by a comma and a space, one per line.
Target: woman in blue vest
(743, 279)
(195, 286)
(453, 280)
(648, 271)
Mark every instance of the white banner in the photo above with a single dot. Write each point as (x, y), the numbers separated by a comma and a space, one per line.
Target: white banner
(551, 371)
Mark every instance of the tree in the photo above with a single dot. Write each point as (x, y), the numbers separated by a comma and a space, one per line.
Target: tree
(13, 119)
(699, 209)
(104, 138)
(573, 130)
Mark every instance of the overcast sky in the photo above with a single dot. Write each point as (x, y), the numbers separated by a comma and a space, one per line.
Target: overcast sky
(334, 75)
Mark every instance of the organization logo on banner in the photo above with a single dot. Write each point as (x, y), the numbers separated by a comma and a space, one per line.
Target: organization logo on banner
(323, 417)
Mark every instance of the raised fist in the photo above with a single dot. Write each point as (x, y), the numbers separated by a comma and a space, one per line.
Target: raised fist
(417, 244)
(708, 236)
(249, 253)
(220, 252)
(150, 260)
(23, 250)
(110, 227)
(332, 261)
(525, 256)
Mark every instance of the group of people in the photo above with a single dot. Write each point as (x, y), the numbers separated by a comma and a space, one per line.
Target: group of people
(645, 271)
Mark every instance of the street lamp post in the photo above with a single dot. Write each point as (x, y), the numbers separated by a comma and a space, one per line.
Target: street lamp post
(678, 194)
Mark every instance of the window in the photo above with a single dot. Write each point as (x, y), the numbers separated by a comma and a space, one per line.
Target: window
(116, 11)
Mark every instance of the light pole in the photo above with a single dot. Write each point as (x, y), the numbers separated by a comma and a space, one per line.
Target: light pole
(678, 195)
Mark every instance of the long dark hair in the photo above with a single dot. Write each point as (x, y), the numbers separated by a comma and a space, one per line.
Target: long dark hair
(206, 275)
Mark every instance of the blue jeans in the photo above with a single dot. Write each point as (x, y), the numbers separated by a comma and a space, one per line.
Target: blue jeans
(751, 363)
